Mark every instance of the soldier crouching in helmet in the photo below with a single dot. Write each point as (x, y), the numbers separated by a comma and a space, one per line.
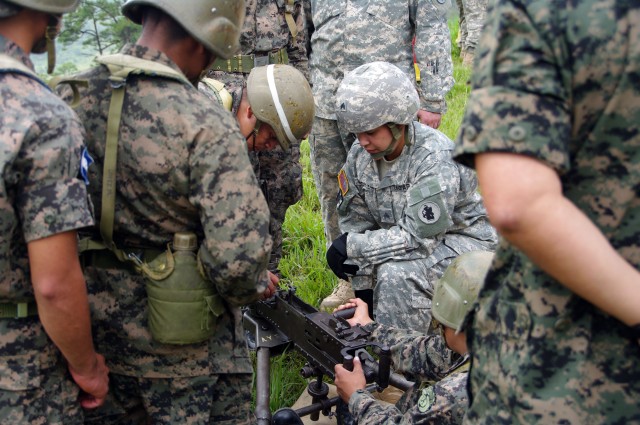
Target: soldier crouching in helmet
(405, 207)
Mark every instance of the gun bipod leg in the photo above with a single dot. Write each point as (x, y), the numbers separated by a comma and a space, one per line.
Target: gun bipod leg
(263, 411)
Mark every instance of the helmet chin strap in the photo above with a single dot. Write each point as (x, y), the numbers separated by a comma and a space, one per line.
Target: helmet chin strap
(253, 135)
(396, 134)
(50, 35)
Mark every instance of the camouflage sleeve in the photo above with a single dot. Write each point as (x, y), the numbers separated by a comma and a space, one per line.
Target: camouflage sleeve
(413, 352)
(433, 52)
(431, 200)
(519, 81)
(297, 47)
(52, 198)
(233, 212)
(443, 403)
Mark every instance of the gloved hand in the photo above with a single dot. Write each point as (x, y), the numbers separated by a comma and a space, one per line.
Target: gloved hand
(337, 255)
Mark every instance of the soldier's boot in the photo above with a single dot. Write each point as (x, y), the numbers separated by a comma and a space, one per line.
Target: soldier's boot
(467, 56)
(342, 293)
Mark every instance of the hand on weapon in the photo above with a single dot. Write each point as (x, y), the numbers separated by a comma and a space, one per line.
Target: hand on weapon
(361, 314)
(272, 285)
(348, 382)
(337, 255)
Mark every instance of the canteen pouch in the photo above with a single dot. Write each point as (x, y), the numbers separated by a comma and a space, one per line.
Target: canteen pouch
(183, 306)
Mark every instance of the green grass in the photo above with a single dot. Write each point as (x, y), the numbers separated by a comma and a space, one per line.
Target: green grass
(303, 264)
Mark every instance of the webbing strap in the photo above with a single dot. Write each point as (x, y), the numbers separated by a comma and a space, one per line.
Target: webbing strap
(288, 16)
(13, 65)
(109, 171)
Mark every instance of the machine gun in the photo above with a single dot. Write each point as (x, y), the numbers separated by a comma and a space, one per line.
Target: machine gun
(285, 321)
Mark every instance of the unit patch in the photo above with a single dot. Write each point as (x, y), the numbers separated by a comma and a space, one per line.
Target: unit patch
(343, 182)
(426, 400)
(429, 212)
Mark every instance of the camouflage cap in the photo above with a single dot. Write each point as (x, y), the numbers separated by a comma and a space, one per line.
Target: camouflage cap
(375, 94)
(458, 288)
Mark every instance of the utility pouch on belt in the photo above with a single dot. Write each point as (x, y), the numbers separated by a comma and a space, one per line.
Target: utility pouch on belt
(183, 306)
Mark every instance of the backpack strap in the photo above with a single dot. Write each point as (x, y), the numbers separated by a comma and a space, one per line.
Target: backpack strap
(120, 66)
(290, 7)
(12, 65)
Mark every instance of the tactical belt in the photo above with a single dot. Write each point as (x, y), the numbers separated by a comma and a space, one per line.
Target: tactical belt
(245, 63)
(106, 259)
(18, 310)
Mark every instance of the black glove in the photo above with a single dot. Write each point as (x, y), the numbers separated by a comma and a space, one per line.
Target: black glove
(337, 255)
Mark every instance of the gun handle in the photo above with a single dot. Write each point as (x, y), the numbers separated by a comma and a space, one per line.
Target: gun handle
(347, 313)
(347, 362)
(384, 367)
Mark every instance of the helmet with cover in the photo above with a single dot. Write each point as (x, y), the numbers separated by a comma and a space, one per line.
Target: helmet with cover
(458, 288)
(373, 95)
(280, 96)
(54, 7)
(214, 23)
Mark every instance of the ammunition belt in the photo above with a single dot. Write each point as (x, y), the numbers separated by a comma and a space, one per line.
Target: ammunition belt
(245, 63)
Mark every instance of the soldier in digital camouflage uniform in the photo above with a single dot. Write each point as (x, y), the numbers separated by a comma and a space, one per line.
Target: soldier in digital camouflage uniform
(405, 207)
(46, 351)
(273, 33)
(181, 166)
(472, 13)
(552, 127)
(345, 35)
(440, 394)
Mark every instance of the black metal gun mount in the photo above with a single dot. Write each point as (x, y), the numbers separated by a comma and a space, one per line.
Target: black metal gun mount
(284, 321)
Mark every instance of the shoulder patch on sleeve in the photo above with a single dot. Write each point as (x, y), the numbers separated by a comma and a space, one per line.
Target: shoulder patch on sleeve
(85, 162)
(343, 182)
(427, 398)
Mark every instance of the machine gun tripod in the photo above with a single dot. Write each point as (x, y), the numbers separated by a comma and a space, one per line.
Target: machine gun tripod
(285, 321)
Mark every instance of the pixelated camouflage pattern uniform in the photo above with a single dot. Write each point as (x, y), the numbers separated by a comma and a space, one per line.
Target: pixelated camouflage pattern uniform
(279, 173)
(182, 166)
(346, 35)
(472, 15)
(558, 84)
(439, 395)
(40, 197)
(400, 252)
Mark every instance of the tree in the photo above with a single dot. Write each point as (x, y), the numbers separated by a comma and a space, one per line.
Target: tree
(100, 26)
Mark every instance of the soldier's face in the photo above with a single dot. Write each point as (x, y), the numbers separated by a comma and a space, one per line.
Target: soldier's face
(265, 139)
(377, 140)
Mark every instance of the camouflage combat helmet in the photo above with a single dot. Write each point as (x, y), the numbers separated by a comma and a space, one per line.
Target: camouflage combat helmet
(458, 288)
(214, 23)
(56, 7)
(280, 96)
(373, 95)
